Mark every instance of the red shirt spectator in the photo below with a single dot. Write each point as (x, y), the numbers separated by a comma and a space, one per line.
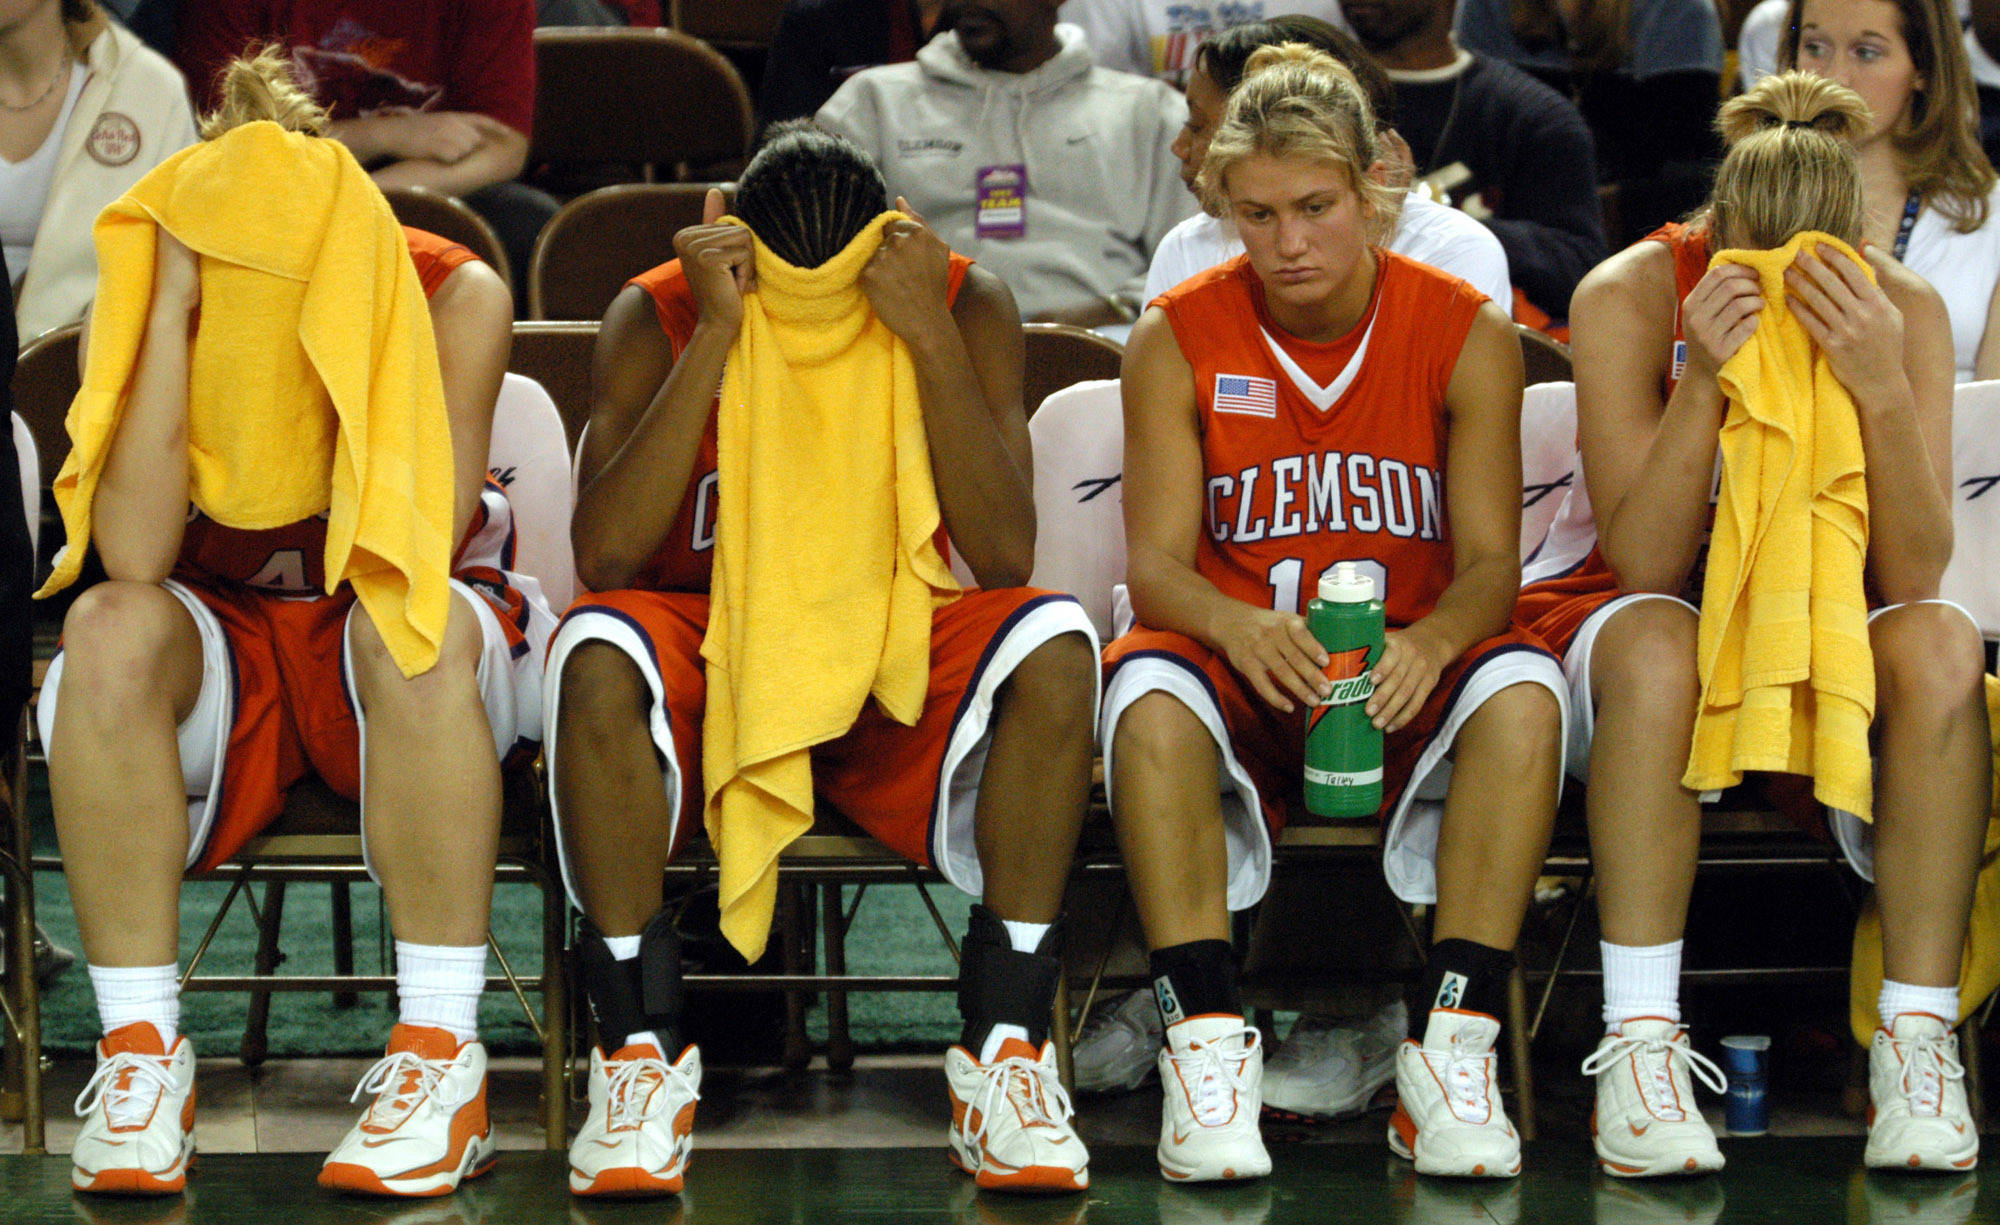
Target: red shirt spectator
(363, 56)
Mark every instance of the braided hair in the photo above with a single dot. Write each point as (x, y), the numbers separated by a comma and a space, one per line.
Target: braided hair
(807, 193)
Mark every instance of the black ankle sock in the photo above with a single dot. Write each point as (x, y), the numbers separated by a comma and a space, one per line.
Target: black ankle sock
(1190, 980)
(1465, 975)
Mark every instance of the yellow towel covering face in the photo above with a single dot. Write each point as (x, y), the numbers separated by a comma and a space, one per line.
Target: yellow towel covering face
(826, 571)
(1787, 676)
(313, 375)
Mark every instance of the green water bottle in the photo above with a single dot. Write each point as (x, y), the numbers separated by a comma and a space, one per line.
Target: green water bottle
(1343, 749)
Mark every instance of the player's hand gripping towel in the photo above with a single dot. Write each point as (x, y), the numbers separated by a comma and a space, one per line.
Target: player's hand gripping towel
(1787, 678)
(313, 375)
(825, 567)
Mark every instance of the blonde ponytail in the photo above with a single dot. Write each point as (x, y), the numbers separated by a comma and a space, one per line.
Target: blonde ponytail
(261, 86)
(1790, 165)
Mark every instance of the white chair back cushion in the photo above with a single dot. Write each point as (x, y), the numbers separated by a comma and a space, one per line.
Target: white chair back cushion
(31, 478)
(530, 454)
(1079, 441)
(1548, 457)
(1973, 577)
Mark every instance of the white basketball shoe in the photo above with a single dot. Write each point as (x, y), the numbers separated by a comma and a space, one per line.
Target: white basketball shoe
(1448, 1116)
(427, 1128)
(1010, 1120)
(1918, 1116)
(640, 1129)
(1329, 1070)
(1120, 1046)
(138, 1115)
(1647, 1122)
(1212, 1073)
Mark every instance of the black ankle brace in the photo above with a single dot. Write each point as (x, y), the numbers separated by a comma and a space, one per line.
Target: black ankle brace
(642, 993)
(999, 986)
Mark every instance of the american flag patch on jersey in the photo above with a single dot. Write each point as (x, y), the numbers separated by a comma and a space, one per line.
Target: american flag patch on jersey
(1240, 393)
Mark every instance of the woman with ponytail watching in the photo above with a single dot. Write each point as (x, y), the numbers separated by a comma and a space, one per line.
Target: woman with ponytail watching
(1655, 326)
(1929, 190)
(1315, 400)
(220, 664)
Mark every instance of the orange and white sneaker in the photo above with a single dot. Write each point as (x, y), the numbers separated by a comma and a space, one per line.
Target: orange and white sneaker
(1211, 1081)
(1646, 1122)
(1010, 1120)
(1918, 1115)
(138, 1115)
(1448, 1116)
(640, 1129)
(427, 1128)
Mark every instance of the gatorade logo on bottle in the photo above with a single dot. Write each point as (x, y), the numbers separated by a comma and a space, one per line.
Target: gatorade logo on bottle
(1349, 672)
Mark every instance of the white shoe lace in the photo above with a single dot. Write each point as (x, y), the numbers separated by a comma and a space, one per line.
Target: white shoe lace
(1029, 1084)
(624, 1082)
(1930, 1063)
(1467, 1078)
(127, 1102)
(414, 1078)
(1655, 1058)
(1214, 1084)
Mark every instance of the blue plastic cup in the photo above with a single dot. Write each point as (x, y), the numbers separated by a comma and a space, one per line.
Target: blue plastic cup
(1747, 1059)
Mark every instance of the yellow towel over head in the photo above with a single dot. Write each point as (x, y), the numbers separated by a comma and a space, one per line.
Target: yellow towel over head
(826, 571)
(1787, 677)
(313, 379)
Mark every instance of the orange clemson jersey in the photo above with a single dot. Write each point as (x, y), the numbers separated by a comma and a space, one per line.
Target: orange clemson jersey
(1318, 453)
(684, 561)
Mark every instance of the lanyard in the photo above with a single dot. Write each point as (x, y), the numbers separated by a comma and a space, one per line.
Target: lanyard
(1908, 223)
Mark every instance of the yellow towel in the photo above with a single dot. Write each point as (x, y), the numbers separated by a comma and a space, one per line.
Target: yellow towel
(825, 569)
(1979, 963)
(1787, 678)
(313, 376)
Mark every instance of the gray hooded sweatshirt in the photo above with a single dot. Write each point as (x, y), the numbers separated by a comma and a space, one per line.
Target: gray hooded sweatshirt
(1094, 146)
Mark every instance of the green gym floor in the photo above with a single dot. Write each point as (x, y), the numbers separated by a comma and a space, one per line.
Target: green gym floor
(1815, 1181)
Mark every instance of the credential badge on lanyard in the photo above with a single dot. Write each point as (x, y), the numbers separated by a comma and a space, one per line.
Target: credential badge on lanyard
(1002, 208)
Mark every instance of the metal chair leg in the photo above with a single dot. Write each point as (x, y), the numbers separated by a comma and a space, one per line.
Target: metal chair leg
(1059, 1035)
(1517, 1035)
(555, 1012)
(343, 941)
(833, 938)
(21, 1078)
(1975, 1079)
(795, 952)
(256, 1030)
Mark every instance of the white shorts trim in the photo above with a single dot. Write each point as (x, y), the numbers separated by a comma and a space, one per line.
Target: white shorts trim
(1409, 843)
(1854, 836)
(953, 846)
(507, 686)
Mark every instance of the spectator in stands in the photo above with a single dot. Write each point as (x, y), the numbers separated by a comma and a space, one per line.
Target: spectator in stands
(1056, 174)
(1930, 190)
(1504, 146)
(85, 111)
(1645, 73)
(216, 666)
(1160, 38)
(1620, 576)
(989, 782)
(1318, 361)
(821, 43)
(426, 93)
(1764, 28)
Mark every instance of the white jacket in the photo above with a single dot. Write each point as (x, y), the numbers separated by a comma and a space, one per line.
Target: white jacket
(132, 115)
(1103, 185)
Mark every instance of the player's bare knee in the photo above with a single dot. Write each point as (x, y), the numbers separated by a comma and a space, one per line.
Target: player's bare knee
(1645, 658)
(1929, 661)
(380, 680)
(116, 640)
(1053, 688)
(603, 692)
(1524, 722)
(1157, 732)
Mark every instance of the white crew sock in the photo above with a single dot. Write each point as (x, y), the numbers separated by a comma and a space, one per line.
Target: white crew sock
(1025, 938)
(127, 995)
(1641, 981)
(439, 986)
(1899, 998)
